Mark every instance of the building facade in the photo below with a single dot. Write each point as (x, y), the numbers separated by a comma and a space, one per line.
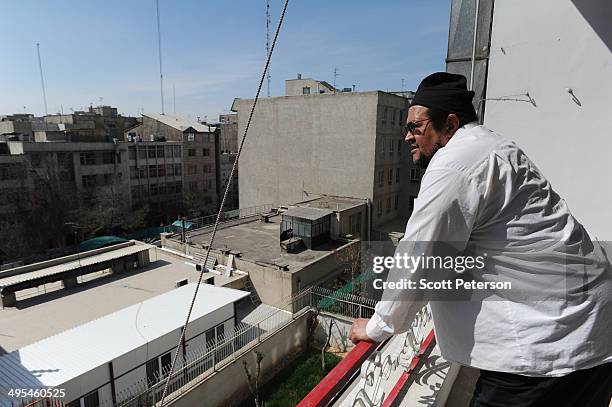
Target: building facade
(343, 144)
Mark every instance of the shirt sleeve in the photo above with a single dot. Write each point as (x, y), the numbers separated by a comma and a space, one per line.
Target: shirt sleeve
(444, 212)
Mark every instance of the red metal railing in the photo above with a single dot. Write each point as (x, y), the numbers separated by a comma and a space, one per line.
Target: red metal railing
(335, 380)
(331, 384)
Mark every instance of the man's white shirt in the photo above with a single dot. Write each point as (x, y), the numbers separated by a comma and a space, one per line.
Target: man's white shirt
(482, 193)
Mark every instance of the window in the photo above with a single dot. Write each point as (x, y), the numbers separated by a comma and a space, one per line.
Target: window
(88, 181)
(190, 136)
(192, 169)
(161, 170)
(415, 175)
(205, 152)
(142, 153)
(220, 332)
(151, 151)
(411, 202)
(177, 170)
(107, 157)
(383, 146)
(191, 152)
(152, 371)
(132, 153)
(399, 147)
(153, 171)
(166, 362)
(170, 151)
(396, 206)
(91, 400)
(142, 172)
(379, 209)
(391, 147)
(154, 189)
(381, 177)
(355, 223)
(108, 179)
(390, 176)
(306, 90)
(177, 151)
(160, 151)
(88, 158)
(397, 172)
(393, 116)
(388, 204)
(193, 186)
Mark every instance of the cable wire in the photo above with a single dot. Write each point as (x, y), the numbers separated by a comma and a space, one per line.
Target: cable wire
(225, 193)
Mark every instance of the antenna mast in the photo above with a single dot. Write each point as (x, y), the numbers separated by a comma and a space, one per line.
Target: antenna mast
(336, 74)
(42, 79)
(173, 98)
(161, 75)
(268, 40)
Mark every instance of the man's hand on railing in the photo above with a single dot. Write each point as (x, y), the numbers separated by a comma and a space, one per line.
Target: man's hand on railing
(358, 331)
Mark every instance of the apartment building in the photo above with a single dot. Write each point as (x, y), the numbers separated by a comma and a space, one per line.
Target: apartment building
(344, 144)
(197, 148)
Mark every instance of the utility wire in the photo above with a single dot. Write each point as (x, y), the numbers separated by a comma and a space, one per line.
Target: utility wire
(225, 193)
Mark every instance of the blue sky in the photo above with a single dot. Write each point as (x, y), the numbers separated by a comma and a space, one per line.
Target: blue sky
(106, 51)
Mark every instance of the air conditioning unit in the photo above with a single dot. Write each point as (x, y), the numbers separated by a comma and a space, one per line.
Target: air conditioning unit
(180, 283)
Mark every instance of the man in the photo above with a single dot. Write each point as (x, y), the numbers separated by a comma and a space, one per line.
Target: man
(546, 342)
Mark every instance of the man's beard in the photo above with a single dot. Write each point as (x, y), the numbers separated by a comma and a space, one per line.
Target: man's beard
(423, 160)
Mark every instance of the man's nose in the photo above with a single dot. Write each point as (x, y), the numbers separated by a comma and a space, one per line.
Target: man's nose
(409, 138)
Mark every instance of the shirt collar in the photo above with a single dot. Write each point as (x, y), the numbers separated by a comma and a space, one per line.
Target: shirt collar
(462, 130)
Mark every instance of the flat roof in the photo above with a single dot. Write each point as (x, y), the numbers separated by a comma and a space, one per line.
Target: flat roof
(87, 260)
(307, 213)
(334, 203)
(52, 309)
(260, 242)
(65, 356)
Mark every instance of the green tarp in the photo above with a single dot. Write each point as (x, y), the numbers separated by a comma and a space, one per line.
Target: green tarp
(100, 241)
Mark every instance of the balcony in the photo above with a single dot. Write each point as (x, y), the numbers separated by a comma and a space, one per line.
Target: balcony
(406, 370)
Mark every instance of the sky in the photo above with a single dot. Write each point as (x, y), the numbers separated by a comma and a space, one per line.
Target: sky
(106, 52)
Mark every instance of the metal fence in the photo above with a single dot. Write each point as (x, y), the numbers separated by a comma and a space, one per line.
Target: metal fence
(200, 363)
(227, 216)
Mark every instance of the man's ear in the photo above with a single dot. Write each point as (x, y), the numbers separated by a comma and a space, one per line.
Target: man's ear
(452, 123)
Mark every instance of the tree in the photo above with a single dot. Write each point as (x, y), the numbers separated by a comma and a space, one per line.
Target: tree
(253, 382)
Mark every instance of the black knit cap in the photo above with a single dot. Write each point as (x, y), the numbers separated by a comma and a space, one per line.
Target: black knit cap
(448, 92)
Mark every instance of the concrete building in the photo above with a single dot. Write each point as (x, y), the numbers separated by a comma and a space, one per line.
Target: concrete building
(149, 334)
(228, 133)
(225, 161)
(198, 143)
(156, 176)
(288, 249)
(307, 86)
(16, 125)
(98, 124)
(558, 85)
(74, 169)
(344, 144)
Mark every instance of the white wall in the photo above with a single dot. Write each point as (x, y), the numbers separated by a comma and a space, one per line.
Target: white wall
(548, 46)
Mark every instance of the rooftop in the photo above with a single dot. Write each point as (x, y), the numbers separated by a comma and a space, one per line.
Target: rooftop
(181, 123)
(260, 242)
(138, 324)
(334, 203)
(60, 309)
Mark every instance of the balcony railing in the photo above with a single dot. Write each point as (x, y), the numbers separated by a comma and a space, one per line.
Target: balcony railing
(383, 374)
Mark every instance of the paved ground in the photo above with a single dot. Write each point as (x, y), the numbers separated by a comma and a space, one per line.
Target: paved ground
(38, 316)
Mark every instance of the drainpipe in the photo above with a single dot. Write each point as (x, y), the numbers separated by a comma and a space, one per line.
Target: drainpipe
(476, 15)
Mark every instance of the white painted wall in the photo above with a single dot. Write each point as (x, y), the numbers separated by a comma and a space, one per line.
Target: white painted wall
(548, 46)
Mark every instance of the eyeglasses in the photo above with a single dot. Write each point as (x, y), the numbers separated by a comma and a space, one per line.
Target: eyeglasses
(411, 127)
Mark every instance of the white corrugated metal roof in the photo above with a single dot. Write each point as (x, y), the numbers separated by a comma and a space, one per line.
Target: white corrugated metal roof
(71, 265)
(62, 357)
(181, 123)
